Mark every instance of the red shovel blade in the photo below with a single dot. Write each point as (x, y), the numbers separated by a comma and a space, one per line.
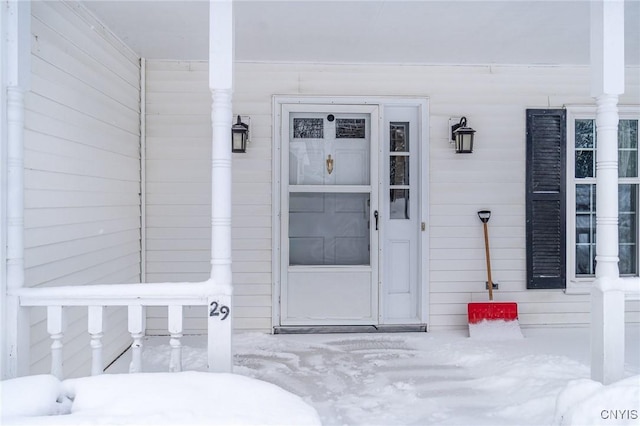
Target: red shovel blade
(478, 311)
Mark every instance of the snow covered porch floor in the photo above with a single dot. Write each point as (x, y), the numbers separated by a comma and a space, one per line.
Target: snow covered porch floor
(413, 378)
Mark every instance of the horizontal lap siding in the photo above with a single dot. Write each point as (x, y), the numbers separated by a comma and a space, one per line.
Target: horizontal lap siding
(494, 99)
(178, 170)
(178, 185)
(82, 173)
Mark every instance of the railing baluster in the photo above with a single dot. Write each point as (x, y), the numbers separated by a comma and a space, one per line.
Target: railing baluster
(55, 328)
(96, 315)
(136, 328)
(175, 330)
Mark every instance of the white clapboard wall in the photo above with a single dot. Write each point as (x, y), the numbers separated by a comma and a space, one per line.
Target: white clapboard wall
(494, 98)
(178, 181)
(82, 172)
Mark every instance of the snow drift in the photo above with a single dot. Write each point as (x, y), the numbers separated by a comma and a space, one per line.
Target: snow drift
(152, 398)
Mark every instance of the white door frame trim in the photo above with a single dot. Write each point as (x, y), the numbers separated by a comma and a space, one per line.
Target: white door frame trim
(381, 102)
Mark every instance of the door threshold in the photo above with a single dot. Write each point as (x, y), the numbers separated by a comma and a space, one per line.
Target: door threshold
(330, 329)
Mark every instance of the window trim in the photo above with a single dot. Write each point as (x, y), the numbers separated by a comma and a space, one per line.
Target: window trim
(582, 285)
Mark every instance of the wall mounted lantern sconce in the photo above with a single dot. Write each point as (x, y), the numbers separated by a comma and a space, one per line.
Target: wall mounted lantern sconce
(462, 136)
(239, 136)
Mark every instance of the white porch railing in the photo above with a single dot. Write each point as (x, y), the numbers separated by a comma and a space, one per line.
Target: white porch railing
(136, 297)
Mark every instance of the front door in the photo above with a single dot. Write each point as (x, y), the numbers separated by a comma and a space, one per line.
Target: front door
(349, 215)
(329, 215)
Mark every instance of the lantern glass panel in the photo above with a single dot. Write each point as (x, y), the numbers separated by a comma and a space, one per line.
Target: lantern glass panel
(464, 142)
(239, 141)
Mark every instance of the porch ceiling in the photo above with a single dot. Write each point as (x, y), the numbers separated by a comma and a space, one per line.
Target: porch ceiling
(416, 32)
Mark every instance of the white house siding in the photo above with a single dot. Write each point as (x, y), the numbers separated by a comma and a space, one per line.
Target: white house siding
(493, 98)
(82, 172)
(178, 180)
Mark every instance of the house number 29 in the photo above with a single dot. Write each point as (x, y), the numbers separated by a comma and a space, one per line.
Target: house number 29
(215, 310)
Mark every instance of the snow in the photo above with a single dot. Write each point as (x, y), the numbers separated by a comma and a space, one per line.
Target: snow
(187, 398)
(44, 396)
(495, 330)
(585, 402)
(438, 378)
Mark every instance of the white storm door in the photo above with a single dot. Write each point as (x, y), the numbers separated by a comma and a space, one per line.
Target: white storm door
(329, 215)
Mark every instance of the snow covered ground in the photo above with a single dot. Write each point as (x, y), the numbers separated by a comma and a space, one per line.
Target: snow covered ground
(187, 398)
(439, 378)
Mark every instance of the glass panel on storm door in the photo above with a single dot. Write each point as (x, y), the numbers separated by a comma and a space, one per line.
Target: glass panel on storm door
(307, 151)
(329, 229)
(351, 128)
(399, 137)
(399, 170)
(308, 128)
(399, 161)
(399, 204)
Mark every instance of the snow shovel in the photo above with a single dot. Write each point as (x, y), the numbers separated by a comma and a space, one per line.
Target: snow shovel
(490, 311)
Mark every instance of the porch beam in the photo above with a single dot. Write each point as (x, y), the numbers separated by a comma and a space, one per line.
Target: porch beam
(221, 85)
(607, 83)
(16, 34)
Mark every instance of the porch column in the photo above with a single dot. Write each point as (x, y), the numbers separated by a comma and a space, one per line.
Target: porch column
(607, 303)
(221, 85)
(16, 18)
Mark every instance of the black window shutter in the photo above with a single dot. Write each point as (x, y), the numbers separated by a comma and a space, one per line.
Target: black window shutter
(546, 198)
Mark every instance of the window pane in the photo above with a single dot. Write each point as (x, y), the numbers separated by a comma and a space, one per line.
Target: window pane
(628, 134)
(399, 208)
(628, 228)
(584, 260)
(585, 229)
(627, 198)
(308, 128)
(628, 163)
(584, 164)
(399, 137)
(307, 163)
(328, 229)
(628, 260)
(350, 128)
(585, 133)
(628, 148)
(399, 170)
(585, 138)
(585, 198)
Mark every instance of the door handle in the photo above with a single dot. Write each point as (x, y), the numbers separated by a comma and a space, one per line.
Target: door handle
(375, 215)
